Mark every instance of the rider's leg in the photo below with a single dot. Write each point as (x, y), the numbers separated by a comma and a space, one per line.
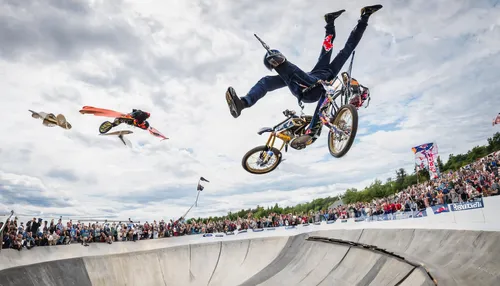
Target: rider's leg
(258, 91)
(315, 125)
(339, 61)
(327, 45)
(261, 88)
(289, 75)
(353, 41)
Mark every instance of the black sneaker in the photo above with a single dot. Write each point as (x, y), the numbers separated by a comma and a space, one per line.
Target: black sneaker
(236, 105)
(330, 17)
(369, 10)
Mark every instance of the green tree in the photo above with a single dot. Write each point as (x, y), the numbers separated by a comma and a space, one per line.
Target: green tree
(440, 163)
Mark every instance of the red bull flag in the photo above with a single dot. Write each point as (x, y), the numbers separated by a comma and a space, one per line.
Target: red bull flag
(496, 120)
(425, 157)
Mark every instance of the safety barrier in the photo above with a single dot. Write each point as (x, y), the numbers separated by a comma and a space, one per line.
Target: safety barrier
(480, 214)
(470, 217)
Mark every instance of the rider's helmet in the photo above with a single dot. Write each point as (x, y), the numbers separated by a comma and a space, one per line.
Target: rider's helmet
(273, 59)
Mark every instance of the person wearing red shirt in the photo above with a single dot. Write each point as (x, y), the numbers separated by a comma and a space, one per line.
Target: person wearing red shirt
(393, 208)
(387, 208)
(398, 206)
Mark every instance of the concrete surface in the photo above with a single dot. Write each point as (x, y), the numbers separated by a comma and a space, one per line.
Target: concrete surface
(453, 257)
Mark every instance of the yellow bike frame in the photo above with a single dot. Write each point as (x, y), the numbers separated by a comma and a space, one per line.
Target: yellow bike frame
(272, 139)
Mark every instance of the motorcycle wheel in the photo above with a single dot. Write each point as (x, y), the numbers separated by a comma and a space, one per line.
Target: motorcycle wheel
(260, 150)
(105, 127)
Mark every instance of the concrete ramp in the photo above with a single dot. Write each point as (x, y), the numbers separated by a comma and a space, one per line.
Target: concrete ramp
(333, 257)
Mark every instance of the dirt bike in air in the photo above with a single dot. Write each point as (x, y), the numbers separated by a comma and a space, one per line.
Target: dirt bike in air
(119, 118)
(342, 123)
(51, 120)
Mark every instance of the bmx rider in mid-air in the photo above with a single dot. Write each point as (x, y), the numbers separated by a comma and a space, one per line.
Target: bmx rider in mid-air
(295, 78)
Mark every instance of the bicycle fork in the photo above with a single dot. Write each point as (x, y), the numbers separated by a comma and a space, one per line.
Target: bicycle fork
(333, 128)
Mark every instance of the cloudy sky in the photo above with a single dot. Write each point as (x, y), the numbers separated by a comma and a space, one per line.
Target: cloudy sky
(432, 68)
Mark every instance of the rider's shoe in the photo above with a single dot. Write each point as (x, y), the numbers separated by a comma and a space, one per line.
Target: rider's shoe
(236, 104)
(369, 10)
(330, 17)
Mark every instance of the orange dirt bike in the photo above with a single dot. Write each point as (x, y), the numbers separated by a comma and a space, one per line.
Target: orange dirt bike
(342, 123)
(119, 118)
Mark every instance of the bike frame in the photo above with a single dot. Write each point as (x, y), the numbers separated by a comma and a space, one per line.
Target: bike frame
(327, 100)
(276, 132)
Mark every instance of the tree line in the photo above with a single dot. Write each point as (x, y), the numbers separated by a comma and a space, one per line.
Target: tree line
(375, 190)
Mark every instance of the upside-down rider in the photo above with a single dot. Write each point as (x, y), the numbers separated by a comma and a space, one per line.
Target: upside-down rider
(139, 117)
(295, 78)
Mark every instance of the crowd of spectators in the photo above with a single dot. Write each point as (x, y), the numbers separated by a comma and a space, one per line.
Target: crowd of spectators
(469, 183)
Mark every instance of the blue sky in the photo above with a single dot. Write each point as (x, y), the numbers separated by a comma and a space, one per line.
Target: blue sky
(432, 69)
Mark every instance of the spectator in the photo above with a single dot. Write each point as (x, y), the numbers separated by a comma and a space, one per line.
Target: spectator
(29, 242)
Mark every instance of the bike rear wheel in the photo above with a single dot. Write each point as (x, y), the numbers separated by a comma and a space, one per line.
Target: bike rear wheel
(265, 155)
(105, 127)
(350, 126)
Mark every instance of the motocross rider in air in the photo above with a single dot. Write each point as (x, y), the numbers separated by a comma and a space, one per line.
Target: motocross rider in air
(139, 119)
(295, 78)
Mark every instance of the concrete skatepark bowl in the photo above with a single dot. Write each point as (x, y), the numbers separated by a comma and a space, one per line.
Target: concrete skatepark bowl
(297, 257)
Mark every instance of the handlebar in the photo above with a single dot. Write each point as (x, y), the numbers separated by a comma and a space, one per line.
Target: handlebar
(288, 113)
(316, 84)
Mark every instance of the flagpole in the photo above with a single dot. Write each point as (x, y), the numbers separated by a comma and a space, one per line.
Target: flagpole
(184, 217)
(197, 196)
(196, 201)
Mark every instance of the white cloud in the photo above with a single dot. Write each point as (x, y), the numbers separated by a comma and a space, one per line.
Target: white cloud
(431, 68)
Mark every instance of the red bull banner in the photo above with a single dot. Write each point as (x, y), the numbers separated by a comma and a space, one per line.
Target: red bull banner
(496, 120)
(426, 157)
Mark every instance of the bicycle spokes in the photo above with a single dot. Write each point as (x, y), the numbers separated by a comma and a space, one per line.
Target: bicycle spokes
(342, 128)
(263, 160)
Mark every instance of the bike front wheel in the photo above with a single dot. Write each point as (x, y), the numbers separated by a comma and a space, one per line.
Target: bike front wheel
(346, 120)
(266, 160)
